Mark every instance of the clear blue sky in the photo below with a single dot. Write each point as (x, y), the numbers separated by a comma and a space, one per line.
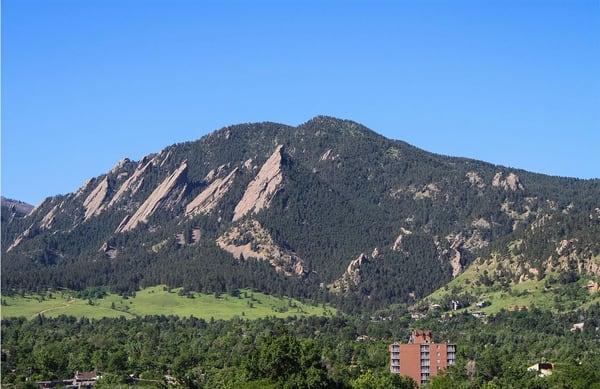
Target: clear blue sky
(86, 83)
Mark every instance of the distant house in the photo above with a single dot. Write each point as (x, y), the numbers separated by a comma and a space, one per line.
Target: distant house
(83, 379)
(479, 315)
(363, 338)
(455, 305)
(577, 327)
(483, 304)
(543, 368)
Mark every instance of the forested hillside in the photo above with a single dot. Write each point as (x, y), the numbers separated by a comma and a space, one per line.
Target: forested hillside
(328, 210)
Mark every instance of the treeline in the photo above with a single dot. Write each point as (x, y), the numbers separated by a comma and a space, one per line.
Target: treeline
(309, 352)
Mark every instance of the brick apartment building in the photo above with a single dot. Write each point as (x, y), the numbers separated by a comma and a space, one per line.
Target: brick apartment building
(420, 358)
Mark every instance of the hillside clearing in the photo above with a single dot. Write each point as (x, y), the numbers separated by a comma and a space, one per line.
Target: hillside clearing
(158, 300)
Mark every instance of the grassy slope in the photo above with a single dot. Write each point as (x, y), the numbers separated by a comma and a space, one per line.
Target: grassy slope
(523, 294)
(156, 301)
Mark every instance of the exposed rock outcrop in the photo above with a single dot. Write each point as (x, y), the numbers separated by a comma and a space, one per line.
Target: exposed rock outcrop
(481, 223)
(209, 198)
(83, 188)
(428, 191)
(248, 164)
(93, 203)
(154, 200)
(119, 165)
(48, 219)
(507, 208)
(196, 235)
(132, 184)
(329, 156)
(398, 242)
(108, 250)
(180, 239)
(44, 224)
(20, 238)
(263, 188)
(351, 277)
(251, 240)
(458, 243)
(475, 180)
(511, 182)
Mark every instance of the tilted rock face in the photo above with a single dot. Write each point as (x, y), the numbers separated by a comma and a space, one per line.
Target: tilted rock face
(119, 165)
(398, 242)
(83, 188)
(251, 240)
(132, 184)
(511, 182)
(263, 188)
(46, 222)
(153, 201)
(93, 203)
(209, 198)
(329, 156)
(351, 277)
(20, 238)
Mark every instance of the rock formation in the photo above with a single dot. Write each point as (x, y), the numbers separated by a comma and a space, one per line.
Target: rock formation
(428, 191)
(93, 203)
(351, 277)
(475, 180)
(154, 200)
(263, 188)
(209, 198)
(46, 222)
(398, 242)
(132, 184)
(329, 156)
(511, 182)
(251, 240)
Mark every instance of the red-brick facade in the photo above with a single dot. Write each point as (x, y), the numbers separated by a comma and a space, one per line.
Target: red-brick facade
(421, 359)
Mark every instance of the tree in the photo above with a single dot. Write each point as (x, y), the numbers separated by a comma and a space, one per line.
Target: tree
(377, 379)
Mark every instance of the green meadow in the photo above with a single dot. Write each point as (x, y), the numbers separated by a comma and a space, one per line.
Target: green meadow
(158, 300)
(527, 293)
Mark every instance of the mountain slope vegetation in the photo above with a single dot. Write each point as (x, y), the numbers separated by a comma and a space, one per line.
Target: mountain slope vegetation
(286, 210)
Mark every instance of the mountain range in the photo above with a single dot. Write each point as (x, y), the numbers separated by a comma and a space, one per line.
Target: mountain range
(328, 210)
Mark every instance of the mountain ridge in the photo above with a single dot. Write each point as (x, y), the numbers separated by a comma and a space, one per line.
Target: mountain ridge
(337, 191)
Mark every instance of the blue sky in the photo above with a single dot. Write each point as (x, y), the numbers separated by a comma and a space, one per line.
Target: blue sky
(86, 83)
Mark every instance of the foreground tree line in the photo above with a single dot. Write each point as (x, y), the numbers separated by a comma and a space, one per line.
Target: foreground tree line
(311, 352)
